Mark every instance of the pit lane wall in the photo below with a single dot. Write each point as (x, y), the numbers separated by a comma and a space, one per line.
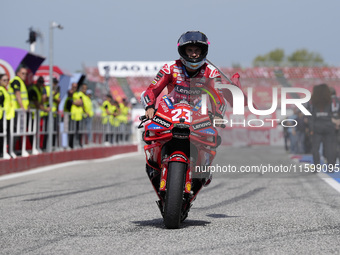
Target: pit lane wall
(20, 164)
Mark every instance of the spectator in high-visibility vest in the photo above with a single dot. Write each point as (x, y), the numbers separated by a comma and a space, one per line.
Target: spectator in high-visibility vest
(6, 110)
(106, 113)
(88, 113)
(18, 90)
(77, 112)
(69, 99)
(19, 96)
(115, 111)
(44, 115)
(124, 111)
(35, 94)
(55, 106)
(106, 109)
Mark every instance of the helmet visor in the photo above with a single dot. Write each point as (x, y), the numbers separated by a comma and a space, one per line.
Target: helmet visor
(193, 37)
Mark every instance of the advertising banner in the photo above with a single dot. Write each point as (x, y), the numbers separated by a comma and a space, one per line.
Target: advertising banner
(129, 68)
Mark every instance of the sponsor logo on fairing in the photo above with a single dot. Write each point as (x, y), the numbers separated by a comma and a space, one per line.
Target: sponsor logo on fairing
(208, 131)
(201, 125)
(200, 120)
(187, 91)
(155, 126)
(161, 121)
(197, 106)
(164, 107)
(168, 102)
(178, 156)
(163, 116)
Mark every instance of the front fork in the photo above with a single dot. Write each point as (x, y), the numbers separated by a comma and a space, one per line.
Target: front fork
(176, 156)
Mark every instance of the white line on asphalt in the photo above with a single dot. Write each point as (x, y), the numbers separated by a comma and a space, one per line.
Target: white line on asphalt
(330, 181)
(71, 163)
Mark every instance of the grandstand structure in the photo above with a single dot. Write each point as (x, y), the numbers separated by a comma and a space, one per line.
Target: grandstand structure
(261, 79)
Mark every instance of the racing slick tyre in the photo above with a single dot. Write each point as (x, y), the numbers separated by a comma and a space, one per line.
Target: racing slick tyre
(174, 194)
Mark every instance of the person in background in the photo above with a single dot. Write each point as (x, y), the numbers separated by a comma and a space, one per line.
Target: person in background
(292, 133)
(115, 112)
(123, 117)
(56, 95)
(36, 102)
(44, 115)
(77, 112)
(18, 90)
(308, 138)
(292, 137)
(55, 108)
(88, 114)
(19, 97)
(35, 92)
(114, 120)
(67, 113)
(336, 120)
(106, 112)
(69, 99)
(124, 111)
(321, 124)
(6, 110)
(286, 137)
(300, 130)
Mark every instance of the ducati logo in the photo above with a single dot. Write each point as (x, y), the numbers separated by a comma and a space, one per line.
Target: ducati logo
(214, 73)
(166, 69)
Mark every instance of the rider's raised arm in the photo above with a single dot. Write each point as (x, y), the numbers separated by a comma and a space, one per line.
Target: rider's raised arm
(162, 79)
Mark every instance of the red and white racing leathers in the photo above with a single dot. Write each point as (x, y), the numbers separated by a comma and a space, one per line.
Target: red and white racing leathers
(175, 78)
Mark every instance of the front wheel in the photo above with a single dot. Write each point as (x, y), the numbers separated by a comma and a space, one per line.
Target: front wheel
(174, 194)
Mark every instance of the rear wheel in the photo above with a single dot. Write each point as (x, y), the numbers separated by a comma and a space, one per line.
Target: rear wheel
(174, 194)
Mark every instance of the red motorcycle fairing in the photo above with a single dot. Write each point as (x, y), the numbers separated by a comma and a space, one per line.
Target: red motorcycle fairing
(178, 136)
(176, 156)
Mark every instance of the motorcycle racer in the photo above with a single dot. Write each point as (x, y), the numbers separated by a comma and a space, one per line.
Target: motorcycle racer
(186, 77)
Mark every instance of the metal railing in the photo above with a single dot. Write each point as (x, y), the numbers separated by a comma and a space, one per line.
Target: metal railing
(27, 133)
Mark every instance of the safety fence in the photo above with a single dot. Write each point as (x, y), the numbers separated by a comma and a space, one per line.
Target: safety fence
(27, 133)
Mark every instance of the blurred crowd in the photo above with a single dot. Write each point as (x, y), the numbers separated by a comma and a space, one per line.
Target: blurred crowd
(318, 134)
(16, 97)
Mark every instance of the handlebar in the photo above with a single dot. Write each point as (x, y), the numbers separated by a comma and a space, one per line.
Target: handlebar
(143, 117)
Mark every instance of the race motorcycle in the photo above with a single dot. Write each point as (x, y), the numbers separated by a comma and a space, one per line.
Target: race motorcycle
(179, 141)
